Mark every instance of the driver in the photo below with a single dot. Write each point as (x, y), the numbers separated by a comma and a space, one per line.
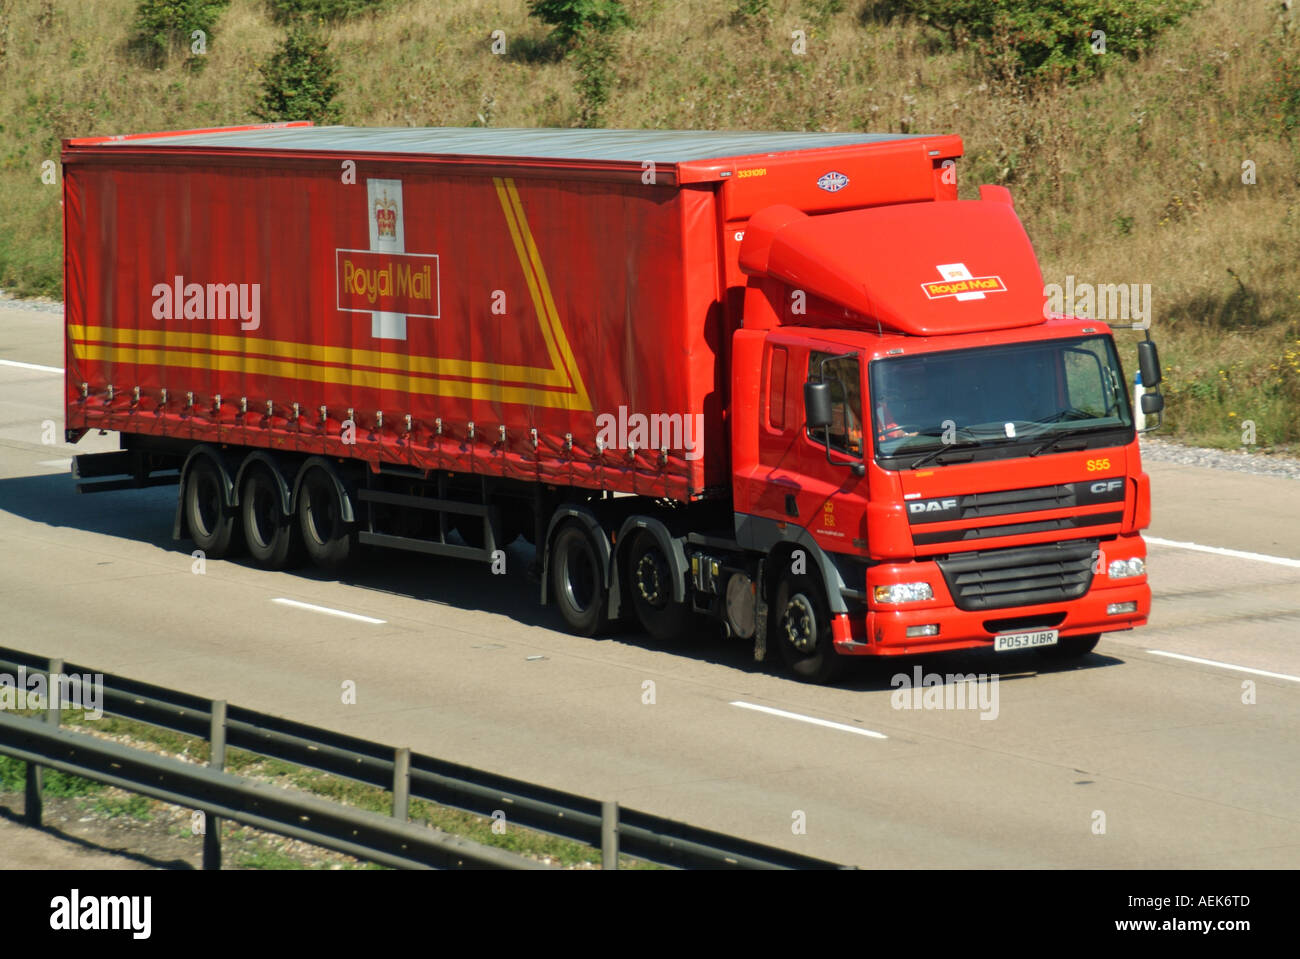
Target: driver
(906, 388)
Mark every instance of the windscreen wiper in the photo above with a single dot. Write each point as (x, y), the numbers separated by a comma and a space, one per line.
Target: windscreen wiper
(934, 454)
(1062, 437)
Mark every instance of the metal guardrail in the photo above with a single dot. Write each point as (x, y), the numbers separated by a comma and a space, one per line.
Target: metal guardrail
(602, 825)
(356, 832)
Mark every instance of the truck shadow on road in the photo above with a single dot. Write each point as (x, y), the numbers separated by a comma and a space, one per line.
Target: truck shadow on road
(145, 516)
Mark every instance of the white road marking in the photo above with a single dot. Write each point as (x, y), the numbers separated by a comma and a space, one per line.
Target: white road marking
(32, 366)
(1220, 551)
(1211, 662)
(327, 611)
(811, 719)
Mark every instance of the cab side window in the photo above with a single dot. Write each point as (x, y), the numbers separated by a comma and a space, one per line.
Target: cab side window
(845, 379)
(776, 388)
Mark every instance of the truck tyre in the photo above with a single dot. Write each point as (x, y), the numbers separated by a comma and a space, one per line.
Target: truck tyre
(328, 540)
(649, 579)
(273, 538)
(213, 525)
(800, 622)
(1070, 647)
(578, 581)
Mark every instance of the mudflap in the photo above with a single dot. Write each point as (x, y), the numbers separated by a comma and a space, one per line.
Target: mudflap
(760, 615)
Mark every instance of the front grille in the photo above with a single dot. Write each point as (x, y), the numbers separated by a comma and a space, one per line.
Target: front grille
(997, 579)
(1017, 506)
(976, 505)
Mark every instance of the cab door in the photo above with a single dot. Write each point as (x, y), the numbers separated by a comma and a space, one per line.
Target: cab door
(832, 499)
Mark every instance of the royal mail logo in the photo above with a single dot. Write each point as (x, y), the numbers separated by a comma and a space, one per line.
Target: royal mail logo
(958, 282)
(833, 182)
(375, 282)
(384, 280)
(386, 217)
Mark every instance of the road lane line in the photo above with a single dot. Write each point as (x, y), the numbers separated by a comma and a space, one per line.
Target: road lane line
(1220, 551)
(327, 611)
(32, 366)
(1211, 662)
(810, 719)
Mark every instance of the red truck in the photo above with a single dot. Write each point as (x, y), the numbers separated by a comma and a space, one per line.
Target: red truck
(788, 381)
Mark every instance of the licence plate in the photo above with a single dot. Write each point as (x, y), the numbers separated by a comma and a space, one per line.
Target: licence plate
(1009, 641)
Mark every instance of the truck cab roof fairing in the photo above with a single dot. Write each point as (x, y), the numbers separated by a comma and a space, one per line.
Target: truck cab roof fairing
(924, 269)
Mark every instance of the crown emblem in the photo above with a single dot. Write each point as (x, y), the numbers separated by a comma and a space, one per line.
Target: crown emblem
(386, 216)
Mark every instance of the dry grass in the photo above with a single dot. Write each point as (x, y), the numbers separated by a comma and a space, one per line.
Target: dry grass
(1135, 178)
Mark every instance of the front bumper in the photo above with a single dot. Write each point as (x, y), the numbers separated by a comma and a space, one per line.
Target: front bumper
(882, 630)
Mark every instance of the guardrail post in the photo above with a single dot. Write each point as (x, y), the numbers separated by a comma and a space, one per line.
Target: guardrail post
(33, 802)
(608, 835)
(402, 784)
(217, 761)
(55, 703)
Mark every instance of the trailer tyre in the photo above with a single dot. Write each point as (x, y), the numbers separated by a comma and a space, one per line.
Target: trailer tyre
(578, 581)
(800, 621)
(273, 538)
(1070, 647)
(330, 541)
(213, 525)
(649, 578)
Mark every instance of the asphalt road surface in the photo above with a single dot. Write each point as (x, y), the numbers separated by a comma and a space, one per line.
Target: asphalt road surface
(1174, 745)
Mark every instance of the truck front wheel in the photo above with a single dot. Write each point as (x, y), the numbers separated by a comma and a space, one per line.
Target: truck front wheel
(577, 581)
(801, 624)
(329, 540)
(213, 526)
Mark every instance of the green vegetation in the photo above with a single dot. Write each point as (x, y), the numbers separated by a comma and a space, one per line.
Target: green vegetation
(1051, 40)
(13, 777)
(132, 806)
(330, 11)
(1170, 159)
(162, 27)
(575, 19)
(298, 82)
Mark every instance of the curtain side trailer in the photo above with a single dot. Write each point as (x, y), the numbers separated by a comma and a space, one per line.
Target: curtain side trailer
(787, 381)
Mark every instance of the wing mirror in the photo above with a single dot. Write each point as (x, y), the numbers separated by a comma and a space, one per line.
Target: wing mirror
(817, 404)
(1149, 363)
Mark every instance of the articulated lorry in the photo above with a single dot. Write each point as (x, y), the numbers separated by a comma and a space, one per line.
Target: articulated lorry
(788, 381)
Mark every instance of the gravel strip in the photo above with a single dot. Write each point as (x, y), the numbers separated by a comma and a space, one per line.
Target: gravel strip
(1154, 448)
(8, 302)
(1241, 461)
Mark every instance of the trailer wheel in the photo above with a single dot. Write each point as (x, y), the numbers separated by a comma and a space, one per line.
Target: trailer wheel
(1070, 647)
(328, 539)
(578, 582)
(649, 577)
(801, 625)
(273, 538)
(214, 527)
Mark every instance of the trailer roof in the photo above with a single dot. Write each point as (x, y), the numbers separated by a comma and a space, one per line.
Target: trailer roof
(664, 146)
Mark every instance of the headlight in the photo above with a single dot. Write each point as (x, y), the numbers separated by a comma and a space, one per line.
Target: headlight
(1124, 568)
(903, 593)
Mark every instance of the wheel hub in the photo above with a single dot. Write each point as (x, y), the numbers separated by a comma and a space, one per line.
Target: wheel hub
(800, 625)
(649, 580)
